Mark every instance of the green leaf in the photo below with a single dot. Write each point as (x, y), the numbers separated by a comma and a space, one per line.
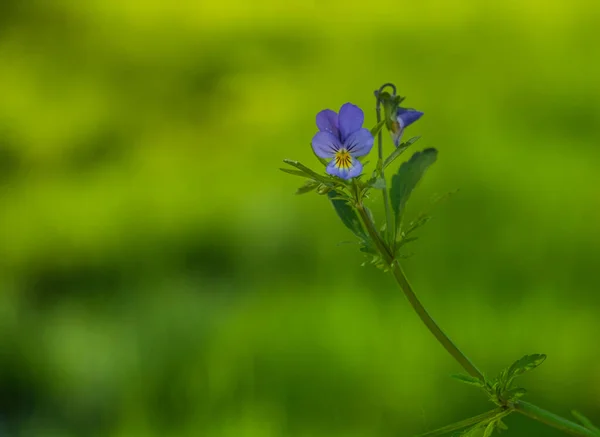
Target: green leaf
(406, 179)
(514, 394)
(467, 379)
(295, 172)
(398, 151)
(377, 128)
(525, 364)
(324, 189)
(312, 174)
(378, 183)
(489, 429)
(348, 215)
(501, 425)
(490, 415)
(585, 421)
(308, 187)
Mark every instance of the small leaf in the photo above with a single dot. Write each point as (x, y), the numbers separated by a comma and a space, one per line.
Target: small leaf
(501, 425)
(295, 172)
(323, 189)
(477, 420)
(348, 215)
(525, 364)
(379, 183)
(312, 174)
(489, 429)
(398, 151)
(467, 379)
(308, 187)
(585, 421)
(406, 179)
(377, 128)
(514, 394)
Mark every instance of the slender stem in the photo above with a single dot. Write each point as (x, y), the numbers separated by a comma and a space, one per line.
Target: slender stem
(551, 419)
(390, 227)
(431, 325)
(370, 226)
(414, 301)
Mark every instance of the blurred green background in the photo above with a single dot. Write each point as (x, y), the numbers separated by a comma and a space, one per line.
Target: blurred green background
(159, 278)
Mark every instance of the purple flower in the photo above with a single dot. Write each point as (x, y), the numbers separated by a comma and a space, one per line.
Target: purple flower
(404, 117)
(341, 139)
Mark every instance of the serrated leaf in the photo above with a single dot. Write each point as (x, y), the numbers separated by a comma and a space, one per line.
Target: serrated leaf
(406, 179)
(377, 128)
(467, 379)
(348, 215)
(585, 421)
(308, 187)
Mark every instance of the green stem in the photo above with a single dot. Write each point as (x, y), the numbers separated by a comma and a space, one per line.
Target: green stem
(414, 301)
(433, 327)
(390, 227)
(551, 419)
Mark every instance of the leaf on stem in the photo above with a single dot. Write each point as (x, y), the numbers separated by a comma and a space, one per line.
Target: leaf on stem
(398, 151)
(308, 187)
(347, 214)
(377, 128)
(406, 179)
(467, 379)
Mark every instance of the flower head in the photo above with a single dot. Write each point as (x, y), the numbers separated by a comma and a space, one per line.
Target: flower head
(342, 138)
(403, 118)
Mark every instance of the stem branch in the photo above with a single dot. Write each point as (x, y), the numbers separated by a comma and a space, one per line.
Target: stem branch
(546, 417)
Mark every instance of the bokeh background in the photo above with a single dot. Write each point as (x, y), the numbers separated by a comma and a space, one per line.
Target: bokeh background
(159, 278)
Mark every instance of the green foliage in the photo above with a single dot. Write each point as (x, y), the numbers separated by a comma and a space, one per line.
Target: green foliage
(304, 171)
(377, 128)
(399, 150)
(502, 390)
(467, 379)
(347, 214)
(406, 179)
(308, 187)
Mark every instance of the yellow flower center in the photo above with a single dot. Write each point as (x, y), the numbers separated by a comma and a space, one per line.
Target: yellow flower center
(343, 159)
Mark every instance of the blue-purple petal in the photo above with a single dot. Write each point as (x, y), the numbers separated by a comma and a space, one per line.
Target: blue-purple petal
(345, 173)
(350, 120)
(407, 117)
(325, 144)
(327, 120)
(359, 143)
